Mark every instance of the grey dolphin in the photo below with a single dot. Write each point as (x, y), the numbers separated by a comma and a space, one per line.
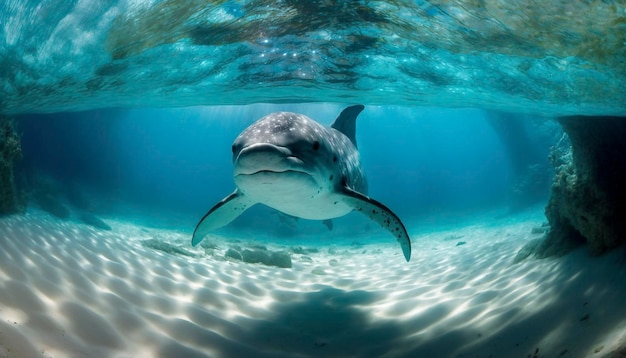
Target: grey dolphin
(295, 165)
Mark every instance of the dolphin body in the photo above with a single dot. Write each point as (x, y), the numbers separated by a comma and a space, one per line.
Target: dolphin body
(295, 165)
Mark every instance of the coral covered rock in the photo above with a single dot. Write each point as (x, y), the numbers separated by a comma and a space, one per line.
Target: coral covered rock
(588, 199)
(10, 151)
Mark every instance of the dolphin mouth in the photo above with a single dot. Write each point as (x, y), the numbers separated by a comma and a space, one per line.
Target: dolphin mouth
(274, 171)
(266, 158)
(272, 177)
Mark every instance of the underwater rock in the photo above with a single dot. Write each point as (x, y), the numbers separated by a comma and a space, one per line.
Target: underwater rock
(255, 256)
(166, 247)
(527, 250)
(588, 199)
(333, 262)
(233, 254)
(278, 258)
(461, 243)
(52, 205)
(94, 221)
(209, 244)
(306, 259)
(10, 152)
(281, 259)
(304, 250)
(540, 229)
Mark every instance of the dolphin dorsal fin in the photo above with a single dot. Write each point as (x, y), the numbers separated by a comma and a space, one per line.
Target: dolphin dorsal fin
(346, 122)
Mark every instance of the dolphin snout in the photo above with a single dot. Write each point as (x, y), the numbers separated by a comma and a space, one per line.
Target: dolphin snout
(263, 157)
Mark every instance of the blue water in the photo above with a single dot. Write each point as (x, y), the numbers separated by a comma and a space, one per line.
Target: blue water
(167, 167)
(127, 110)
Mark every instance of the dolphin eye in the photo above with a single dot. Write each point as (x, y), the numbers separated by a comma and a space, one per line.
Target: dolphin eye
(316, 145)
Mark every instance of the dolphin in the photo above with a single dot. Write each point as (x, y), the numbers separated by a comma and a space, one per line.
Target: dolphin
(297, 166)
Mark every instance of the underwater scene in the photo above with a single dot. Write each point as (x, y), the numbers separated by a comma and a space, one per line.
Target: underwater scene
(303, 178)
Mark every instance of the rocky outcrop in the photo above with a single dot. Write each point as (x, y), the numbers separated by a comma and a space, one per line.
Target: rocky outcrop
(588, 199)
(10, 151)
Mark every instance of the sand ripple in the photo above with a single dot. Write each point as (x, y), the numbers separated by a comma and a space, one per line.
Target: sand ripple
(68, 290)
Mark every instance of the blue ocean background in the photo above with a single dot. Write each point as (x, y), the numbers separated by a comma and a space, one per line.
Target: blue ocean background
(436, 168)
(117, 119)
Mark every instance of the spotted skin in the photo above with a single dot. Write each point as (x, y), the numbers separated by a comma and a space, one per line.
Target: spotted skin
(293, 164)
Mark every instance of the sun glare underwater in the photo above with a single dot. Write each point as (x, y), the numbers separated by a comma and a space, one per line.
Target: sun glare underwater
(312, 179)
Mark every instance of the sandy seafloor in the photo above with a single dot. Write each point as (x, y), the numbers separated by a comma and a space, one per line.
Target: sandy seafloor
(70, 290)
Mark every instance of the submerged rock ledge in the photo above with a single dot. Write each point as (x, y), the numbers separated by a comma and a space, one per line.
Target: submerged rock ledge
(11, 201)
(588, 199)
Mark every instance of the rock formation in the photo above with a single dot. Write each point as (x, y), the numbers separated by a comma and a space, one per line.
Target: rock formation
(588, 199)
(10, 151)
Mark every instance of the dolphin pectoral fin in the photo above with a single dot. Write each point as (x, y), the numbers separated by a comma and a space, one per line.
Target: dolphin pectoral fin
(221, 214)
(380, 214)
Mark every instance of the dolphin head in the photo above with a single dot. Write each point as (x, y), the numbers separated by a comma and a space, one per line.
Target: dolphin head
(283, 153)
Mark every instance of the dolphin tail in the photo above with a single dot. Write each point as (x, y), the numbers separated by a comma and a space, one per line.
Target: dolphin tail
(380, 214)
(221, 214)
